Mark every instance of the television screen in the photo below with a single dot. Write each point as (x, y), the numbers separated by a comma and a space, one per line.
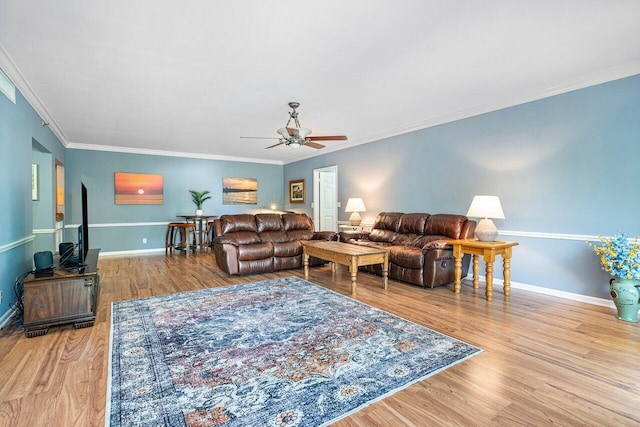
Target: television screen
(83, 230)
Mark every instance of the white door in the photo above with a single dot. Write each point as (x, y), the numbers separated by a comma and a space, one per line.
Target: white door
(325, 198)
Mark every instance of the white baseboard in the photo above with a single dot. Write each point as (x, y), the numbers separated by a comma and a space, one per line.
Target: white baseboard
(6, 317)
(548, 291)
(134, 252)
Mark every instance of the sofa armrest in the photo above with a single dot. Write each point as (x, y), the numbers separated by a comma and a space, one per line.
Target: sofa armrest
(437, 244)
(325, 235)
(225, 240)
(346, 236)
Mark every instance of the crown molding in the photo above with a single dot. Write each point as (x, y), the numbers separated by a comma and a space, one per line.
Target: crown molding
(18, 79)
(129, 150)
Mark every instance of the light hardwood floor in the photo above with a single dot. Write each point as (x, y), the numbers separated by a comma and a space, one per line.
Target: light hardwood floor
(545, 361)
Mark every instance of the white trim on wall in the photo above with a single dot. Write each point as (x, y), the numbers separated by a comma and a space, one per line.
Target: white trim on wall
(93, 147)
(557, 236)
(6, 317)
(497, 284)
(120, 224)
(17, 243)
(44, 231)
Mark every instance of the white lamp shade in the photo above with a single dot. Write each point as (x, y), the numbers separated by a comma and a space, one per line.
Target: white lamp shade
(486, 207)
(284, 133)
(303, 132)
(355, 205)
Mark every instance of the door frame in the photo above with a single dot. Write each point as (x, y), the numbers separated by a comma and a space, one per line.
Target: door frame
(317, 192)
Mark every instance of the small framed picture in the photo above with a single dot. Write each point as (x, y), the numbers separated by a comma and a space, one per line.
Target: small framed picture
(35, 191)
(296, 191)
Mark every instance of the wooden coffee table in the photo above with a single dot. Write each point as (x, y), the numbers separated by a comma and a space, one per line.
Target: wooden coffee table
(347, 254)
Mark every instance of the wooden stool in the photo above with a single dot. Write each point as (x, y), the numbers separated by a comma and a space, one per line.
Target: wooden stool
(169, 238)
(184, 229)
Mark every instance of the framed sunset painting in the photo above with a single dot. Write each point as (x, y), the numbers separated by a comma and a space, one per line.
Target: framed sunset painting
(239, 191)
(138, 188)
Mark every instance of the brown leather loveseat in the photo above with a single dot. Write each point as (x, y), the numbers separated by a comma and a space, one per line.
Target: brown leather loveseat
(258, 243)
(417, 244)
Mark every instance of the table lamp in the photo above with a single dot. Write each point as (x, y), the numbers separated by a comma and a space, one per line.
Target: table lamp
(355, 205)
(486, 207)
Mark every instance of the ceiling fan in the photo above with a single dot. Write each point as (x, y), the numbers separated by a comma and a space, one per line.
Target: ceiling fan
(297, 136)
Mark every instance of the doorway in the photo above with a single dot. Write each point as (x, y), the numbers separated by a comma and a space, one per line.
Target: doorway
(325, 198)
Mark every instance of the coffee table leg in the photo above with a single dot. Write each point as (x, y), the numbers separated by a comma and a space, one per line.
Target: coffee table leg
(305, 258)
(353, 269)
(385, 270)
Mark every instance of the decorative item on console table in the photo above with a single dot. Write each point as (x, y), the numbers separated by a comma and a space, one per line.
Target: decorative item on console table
(199, 197)
(621, 258)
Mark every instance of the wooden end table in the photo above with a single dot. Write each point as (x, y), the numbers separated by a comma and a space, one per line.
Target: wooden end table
(346, 254)
(488, 250)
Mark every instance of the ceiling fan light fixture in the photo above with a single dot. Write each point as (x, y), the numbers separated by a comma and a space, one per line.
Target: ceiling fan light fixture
(303, 133)
(294, 144)
(284, 133)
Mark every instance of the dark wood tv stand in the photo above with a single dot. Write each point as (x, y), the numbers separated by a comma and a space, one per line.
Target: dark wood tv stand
(62, 297)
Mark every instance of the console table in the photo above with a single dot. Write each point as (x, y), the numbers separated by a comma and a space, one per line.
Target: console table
(62, 297)
(488, 250)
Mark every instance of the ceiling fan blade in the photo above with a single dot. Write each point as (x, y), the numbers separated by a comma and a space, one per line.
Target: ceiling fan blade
(314, 145)
(328, 138)
(258, 137)
(274, 145)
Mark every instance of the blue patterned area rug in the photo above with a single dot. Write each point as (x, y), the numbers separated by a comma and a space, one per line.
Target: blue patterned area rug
(281, 352)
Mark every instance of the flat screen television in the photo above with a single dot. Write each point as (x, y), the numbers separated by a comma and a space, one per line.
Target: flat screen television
(83, 230)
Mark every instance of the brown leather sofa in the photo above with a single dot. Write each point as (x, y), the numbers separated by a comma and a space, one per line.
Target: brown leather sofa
(417, 244)
(258, 243)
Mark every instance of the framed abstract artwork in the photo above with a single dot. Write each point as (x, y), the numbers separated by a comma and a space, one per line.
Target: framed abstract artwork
(138, 189)
(296, 191)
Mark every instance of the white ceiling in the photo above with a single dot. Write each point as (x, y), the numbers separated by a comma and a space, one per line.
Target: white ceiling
(192, 76)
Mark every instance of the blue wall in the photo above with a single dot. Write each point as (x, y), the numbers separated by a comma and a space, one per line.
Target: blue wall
(565, 166)
(20, 130)
(116, 228)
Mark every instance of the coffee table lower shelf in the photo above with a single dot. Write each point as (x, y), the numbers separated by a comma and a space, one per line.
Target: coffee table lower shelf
(347, 254)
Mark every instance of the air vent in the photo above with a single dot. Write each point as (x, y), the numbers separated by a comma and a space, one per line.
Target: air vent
(7, 87)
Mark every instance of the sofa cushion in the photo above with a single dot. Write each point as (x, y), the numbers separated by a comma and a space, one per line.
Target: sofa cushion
(406, 256)
(404, 239)
(299, 235)
(297, 222)
(287, 249)
(379, 235)
(413, 223)
(240, 222)
(269, 222)
(423, 241)
(239, 238)
(445, 225)
(274, 236)
(255, 251)
(387, 221)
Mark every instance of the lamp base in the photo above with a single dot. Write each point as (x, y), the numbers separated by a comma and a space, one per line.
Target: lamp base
(486, 230)
(355, 219)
